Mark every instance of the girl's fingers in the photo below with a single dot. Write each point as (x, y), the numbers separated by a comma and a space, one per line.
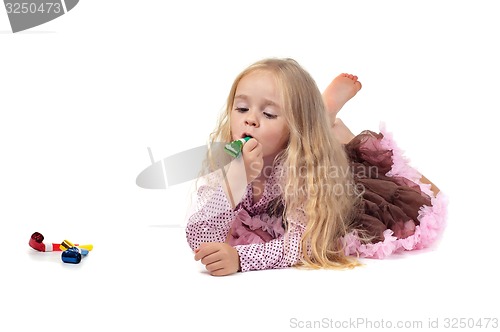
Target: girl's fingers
(210, 259)
(250, 145)
(203, 250)
(215, 266)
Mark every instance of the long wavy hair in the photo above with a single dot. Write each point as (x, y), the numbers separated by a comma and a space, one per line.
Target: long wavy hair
(318, 181)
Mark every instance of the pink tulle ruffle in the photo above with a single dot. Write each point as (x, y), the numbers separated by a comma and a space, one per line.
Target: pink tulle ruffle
(258, 229)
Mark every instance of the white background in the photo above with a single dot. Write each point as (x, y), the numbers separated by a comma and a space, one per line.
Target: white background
(83, 96)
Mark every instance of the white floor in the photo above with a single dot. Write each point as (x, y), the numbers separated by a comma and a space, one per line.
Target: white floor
(83, 96)
(145, 277)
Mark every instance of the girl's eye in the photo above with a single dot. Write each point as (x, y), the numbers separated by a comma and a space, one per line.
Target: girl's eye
(241, 109)
(270, 116)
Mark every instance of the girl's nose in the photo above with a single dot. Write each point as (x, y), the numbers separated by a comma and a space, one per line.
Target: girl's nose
(250, 121)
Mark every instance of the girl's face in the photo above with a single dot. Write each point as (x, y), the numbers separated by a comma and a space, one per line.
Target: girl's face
(257, 112)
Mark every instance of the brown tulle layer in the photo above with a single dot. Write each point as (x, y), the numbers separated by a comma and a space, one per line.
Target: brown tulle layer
(389, 202)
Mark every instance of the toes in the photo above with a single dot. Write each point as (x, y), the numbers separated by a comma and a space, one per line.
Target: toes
(350, 76)
(354, 78)
(358, 85)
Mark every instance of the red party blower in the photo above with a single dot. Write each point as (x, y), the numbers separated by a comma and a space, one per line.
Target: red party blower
(36, 242)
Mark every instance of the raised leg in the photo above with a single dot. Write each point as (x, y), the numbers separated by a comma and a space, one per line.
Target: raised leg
(340, 131)
(339, 91)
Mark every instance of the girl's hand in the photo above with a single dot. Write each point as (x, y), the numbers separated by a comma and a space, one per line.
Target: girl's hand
(220, 259)
(253, 158)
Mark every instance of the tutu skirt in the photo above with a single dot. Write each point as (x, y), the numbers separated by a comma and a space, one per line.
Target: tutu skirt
(398, 211)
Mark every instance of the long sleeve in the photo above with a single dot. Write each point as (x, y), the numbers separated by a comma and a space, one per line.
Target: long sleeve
(214, 217)
(212, 220)
(281, 252)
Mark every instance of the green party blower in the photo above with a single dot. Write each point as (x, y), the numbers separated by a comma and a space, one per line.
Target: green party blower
(234, 148)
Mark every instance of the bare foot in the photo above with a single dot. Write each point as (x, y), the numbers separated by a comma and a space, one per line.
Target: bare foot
(338, 92)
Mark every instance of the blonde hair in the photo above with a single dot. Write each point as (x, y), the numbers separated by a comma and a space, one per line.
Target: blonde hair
(313, 149)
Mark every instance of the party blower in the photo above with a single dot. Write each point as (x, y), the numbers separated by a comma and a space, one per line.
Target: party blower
(235, 147)
(73, 255)
(36, 242)
(65, 245)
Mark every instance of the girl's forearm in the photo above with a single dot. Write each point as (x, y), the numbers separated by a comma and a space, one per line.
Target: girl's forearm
(234, 181)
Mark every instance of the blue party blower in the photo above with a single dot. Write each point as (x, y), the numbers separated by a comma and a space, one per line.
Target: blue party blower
(73, 255)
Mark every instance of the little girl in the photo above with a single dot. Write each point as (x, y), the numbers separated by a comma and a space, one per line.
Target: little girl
(305, 191)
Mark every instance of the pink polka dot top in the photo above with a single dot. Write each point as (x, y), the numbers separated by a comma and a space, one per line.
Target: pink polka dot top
(260, 240)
